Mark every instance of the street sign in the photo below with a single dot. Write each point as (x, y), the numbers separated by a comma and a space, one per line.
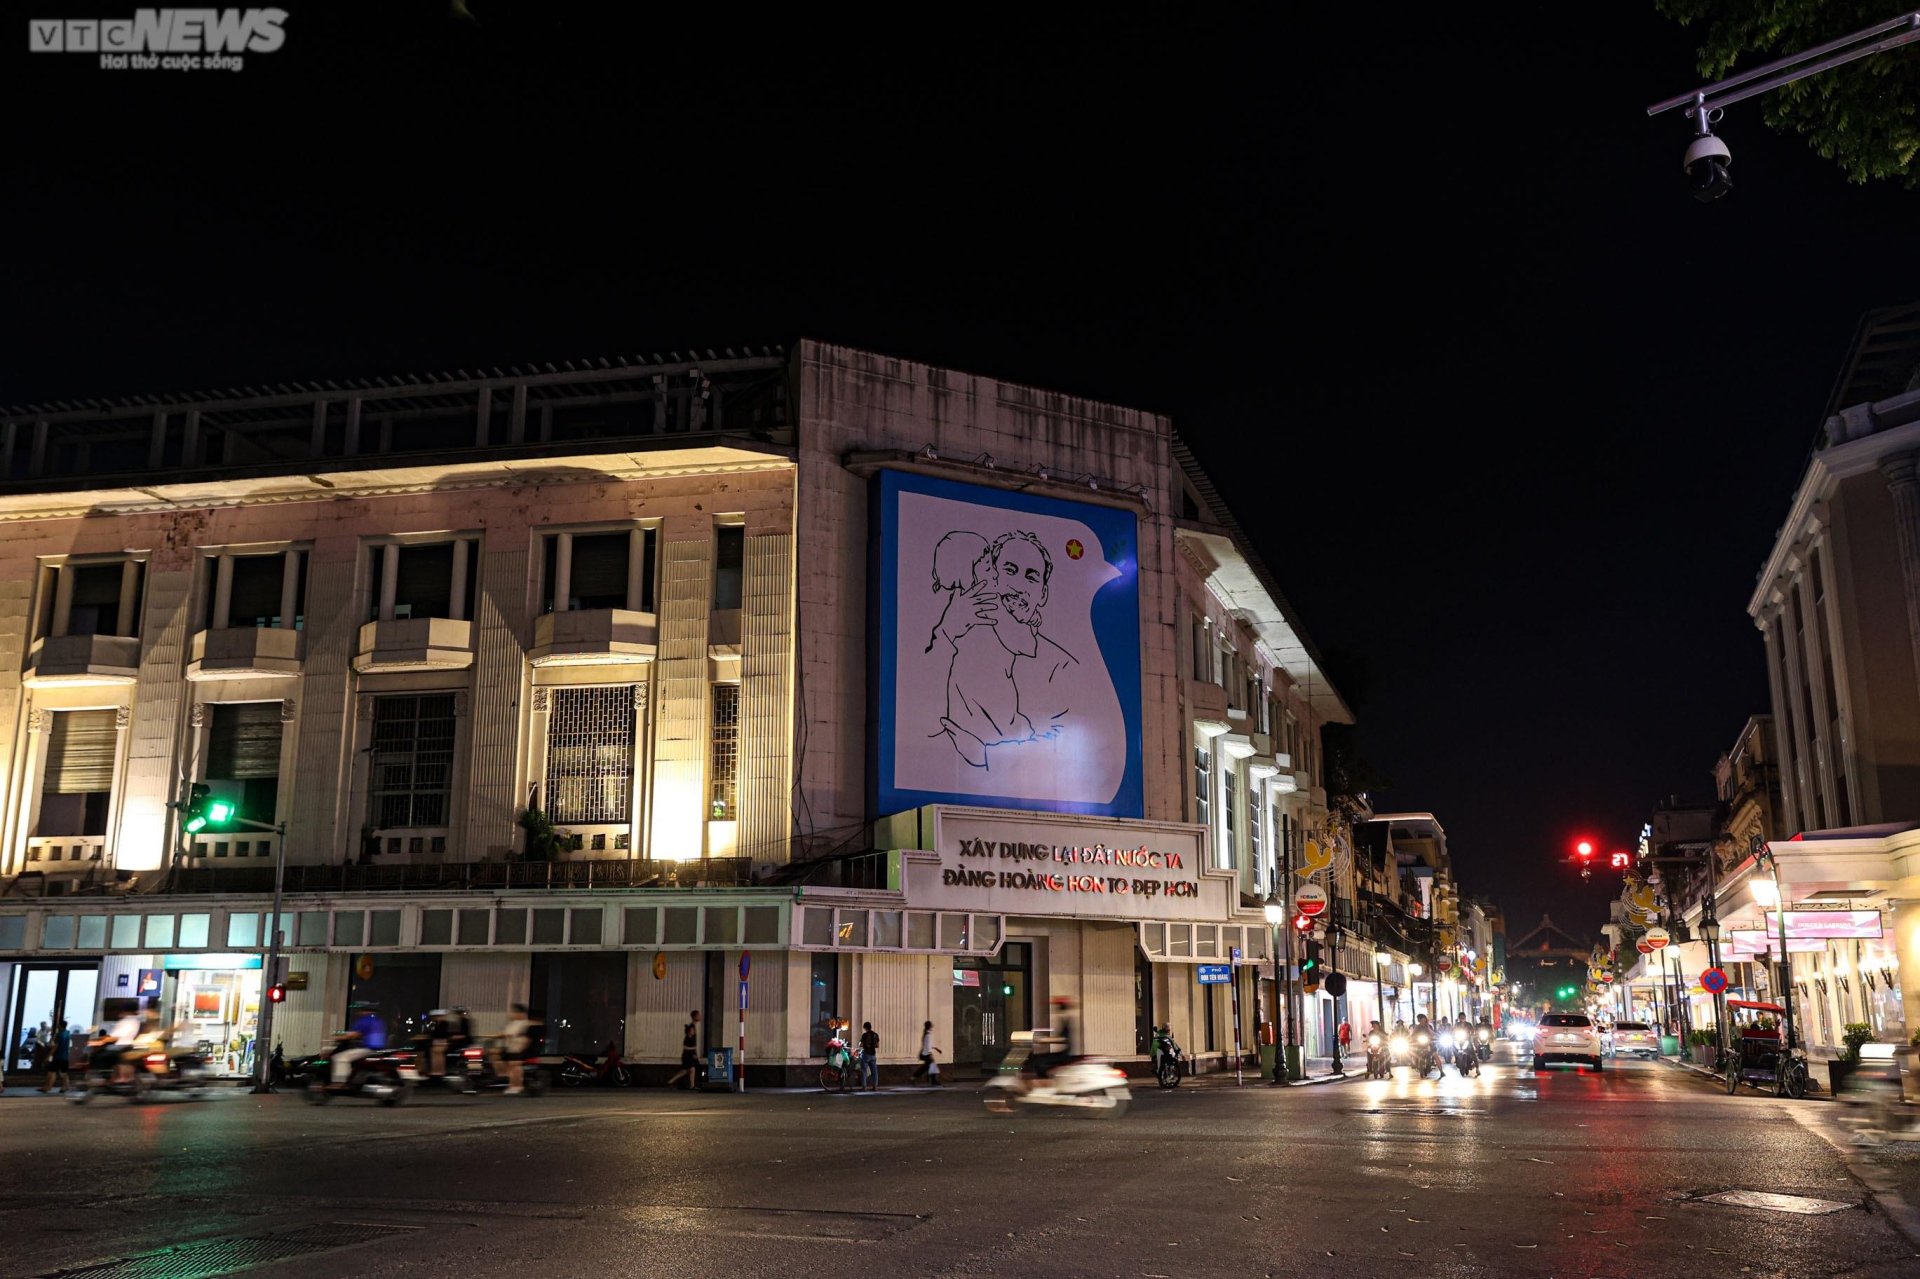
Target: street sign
(1644, 946)
(746, 964)
(1336, 984)
(743, 996)
(1236, 954)
(659, 966)
(1657, 938)
(1445, 964)
(1214, 974)
(1713, 981)
(1310, 900)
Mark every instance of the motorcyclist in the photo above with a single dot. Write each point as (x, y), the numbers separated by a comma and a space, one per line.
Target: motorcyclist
(1420, 1025)
(348, 1048)
(1062, 1043)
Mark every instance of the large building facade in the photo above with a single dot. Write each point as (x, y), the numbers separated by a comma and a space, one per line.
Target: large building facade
(783, 687)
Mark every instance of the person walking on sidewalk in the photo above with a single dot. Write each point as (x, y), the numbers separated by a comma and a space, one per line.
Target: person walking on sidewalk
(58, 1051)
(689, 1053)
(869, 1057)
(928, 1066)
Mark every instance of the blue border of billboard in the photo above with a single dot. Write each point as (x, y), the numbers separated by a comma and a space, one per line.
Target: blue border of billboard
(1116, 627)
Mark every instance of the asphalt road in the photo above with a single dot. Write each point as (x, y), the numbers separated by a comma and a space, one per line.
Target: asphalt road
(1568, 1173)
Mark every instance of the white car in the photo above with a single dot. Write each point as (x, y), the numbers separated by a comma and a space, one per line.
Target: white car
(1566, 1037)
(1633, 1039)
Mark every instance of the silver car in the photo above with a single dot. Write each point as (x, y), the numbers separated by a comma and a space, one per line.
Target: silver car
(1635, 1039)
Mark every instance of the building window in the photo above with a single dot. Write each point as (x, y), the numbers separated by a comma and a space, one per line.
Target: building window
(590, 756)
(724, 769)
(1202, 783)
(729, 563)
(823, 1002)
(1202, 648)
(1256, 820)
(1229, 845)
(412, 760)
(420, 580)
(92, 599)
(77, 788)
(597, 571)
(243, 757)
(255, 590)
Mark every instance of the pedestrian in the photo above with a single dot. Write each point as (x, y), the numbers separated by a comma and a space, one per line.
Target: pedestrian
(869, 1057)
(515, 1044)
(58, 1052)
(38, 1046)
(928, 1066)
(689, 1053)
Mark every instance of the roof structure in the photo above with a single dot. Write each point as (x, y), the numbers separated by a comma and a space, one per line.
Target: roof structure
(1882, 361)
(1548, 938)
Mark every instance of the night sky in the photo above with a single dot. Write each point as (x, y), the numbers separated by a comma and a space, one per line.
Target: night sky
(1511, 417)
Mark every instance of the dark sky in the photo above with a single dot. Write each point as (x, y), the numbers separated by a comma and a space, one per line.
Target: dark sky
(1510, 415)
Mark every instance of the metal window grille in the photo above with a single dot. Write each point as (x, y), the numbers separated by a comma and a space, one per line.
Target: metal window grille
(1256, 820)
(724, 770)
(590, 756)
(1227, 846)
(412, 760)
(80, 751)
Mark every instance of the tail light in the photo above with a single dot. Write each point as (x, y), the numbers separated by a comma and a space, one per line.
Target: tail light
(471, 1054)
(156, 1059)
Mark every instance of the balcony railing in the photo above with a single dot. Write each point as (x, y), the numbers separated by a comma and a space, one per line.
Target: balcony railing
(722, 872)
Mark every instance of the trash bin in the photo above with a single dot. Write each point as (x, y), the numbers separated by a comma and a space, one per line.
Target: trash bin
(1669, 1045)
(1267, 1054)
(719, 1069)
(1292, 1066)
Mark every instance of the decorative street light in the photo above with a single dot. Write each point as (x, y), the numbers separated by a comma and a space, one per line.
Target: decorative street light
(1282, 987)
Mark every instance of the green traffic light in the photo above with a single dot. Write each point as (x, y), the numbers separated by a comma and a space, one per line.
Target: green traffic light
(1006, 990)
(220, 811)
(195, 825)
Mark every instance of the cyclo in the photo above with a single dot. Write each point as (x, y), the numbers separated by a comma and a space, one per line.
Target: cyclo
(1757, 1053)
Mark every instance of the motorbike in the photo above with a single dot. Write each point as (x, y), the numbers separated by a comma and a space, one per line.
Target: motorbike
(155, 1070)
(1169, 1060)
(1379, 1056)
(1483, 1048)
(386, 1077)
(484, 1074)
(1466, 1059)
(607, 1072)
(1425, 1057)
(1092, 1086)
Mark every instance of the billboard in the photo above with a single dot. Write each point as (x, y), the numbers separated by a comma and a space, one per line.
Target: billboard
(1006, 669)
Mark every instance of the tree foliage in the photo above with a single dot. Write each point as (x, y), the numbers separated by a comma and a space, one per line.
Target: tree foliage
(1861, 116)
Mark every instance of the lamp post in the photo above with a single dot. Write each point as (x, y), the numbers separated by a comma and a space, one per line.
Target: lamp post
(1710, 933)
(1764, 856)
(1282, 988)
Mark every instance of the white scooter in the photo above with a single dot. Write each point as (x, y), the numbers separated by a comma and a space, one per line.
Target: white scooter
(1092, 1086)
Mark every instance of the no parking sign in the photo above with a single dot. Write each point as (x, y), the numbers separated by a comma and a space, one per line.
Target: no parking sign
(1713, 981)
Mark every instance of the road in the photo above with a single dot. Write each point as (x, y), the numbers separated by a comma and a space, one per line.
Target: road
(1568, 1173)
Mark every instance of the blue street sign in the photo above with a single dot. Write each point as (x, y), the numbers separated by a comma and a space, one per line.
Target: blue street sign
(1215, 974)
(746, 964)
(1236, 954)
(743, 996)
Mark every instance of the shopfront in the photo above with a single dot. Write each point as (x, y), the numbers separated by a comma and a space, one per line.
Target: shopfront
(47, 994)
(213, 1003)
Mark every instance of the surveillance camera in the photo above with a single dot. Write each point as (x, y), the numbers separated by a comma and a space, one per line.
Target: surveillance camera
(1706, 166)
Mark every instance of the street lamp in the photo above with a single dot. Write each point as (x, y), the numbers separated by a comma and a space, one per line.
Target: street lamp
(1282, 988)
(1763, 855)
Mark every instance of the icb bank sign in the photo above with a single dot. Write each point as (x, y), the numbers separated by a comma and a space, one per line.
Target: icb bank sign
(164, 39)
(1007, 670)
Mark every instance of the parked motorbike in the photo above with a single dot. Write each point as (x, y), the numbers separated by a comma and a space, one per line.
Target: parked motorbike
(608, 1071)
(1380, 1055)
(155, 1070)
(1169, 1060)
(1466, 1059)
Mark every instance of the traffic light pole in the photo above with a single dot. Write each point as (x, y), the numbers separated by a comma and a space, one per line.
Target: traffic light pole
(263, 1041)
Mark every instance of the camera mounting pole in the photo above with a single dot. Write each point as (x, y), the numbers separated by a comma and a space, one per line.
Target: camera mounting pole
(1904, 29)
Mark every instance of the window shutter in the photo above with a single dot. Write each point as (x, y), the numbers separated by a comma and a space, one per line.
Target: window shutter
(244, 741)
(80, 752)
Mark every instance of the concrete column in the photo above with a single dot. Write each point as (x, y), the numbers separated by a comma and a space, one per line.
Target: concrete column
(353, 426)
(457, 606)
(1776, 684)
(289, 589)
(562, 570)
(124, 622)
(1826, 769)
(636, 567)
(222, 590)
(1796, 730)
(483, 414)
(37, 460)
(389, 579)
(63, 599)
(1906, 949)
(1902, 473)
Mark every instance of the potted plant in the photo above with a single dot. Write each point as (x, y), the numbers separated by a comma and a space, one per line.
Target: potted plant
(1703, 1042)
(1852, 1036)
(542, 840)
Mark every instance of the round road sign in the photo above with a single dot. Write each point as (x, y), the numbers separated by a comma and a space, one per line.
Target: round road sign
(1644, 946)
(1657, 938)
(1713, 981)
(1310, 900)
(746, 964)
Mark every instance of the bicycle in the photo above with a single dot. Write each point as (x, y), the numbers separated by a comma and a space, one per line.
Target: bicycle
(838, 1068)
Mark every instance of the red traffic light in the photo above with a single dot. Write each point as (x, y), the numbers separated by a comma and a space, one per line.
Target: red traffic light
(1584, 849)
(1303, 923)
(276, 994)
